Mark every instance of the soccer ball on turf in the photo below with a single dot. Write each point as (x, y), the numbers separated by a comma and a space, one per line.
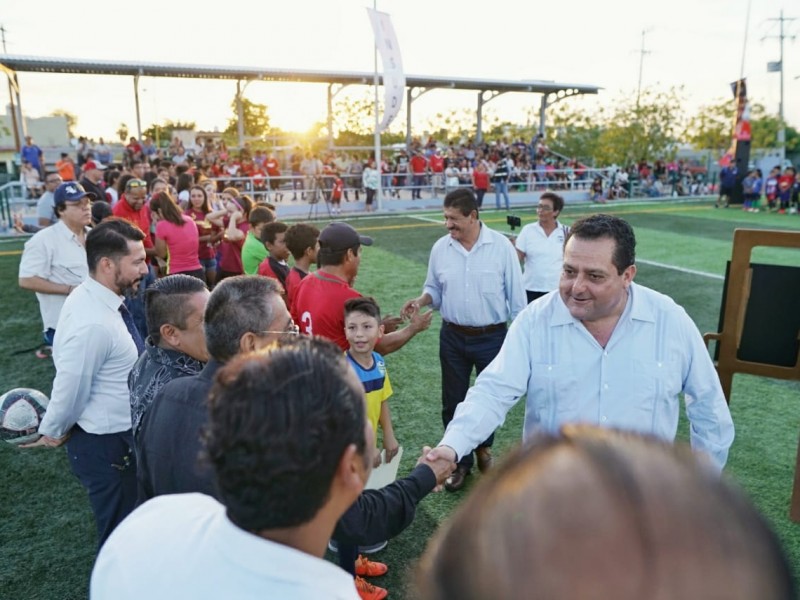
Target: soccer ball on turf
(21, 411)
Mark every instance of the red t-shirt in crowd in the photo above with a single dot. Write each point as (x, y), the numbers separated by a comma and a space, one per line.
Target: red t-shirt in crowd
(231, 252)
(182, 241)
(481, 180)
(205, 250)
(271, 165)
(437, 163)
(140, 218)
(785, 183)
(418, 164)
(318, 307)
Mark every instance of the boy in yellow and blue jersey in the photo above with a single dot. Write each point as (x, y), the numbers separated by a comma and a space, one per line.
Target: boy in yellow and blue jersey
(363, 329)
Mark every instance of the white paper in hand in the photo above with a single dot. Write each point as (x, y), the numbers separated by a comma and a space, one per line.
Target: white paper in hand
(386, 473)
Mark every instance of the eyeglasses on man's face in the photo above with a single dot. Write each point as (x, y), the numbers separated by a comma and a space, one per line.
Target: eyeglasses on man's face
(544, 207)
(291, 330)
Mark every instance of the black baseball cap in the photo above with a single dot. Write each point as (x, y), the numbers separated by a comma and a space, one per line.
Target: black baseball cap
(340, 236)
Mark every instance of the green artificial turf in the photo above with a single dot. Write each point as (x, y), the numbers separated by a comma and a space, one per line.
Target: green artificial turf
(46, 527)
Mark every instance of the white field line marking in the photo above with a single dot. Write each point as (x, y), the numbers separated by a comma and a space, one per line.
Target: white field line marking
(438, 221)
(681, 269)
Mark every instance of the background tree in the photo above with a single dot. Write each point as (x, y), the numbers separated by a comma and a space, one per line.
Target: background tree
(164, 131)
(620, 134)
(354, 122)
(354, 115)
(574, 133)
(72, 120)
(764, 128)
(256, 119)
(711, 127)
(458, 125)
(650, 129)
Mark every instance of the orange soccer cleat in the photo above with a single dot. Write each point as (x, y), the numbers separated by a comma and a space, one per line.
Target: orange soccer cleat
(367, 591)
(369, 568)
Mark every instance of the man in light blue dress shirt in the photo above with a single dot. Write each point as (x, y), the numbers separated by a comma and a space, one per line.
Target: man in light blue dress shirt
(601, 350)
(475, 281)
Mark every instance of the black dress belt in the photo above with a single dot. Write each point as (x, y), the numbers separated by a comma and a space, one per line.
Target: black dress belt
(472, 331)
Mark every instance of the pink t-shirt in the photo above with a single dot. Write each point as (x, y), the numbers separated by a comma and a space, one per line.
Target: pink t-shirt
(182, 243)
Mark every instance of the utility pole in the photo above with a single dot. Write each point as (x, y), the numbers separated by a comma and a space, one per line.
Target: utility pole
(781, 123)
(642, 52)
(17, 141)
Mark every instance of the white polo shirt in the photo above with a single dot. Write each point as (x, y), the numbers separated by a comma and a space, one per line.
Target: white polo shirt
(544, 256)
(56, 254)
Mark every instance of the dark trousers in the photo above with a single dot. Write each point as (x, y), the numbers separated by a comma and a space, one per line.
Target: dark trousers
(533, 295)
(458, 355)
(418, 182)
(106, 466)
(348, 554)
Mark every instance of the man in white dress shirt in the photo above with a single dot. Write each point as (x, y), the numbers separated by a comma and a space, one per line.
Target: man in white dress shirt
(603, 350)
(94, 350)
(475, 281)
(291, 448)
(54, 260)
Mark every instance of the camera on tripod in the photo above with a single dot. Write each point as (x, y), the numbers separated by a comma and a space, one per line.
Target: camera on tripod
(513, 222)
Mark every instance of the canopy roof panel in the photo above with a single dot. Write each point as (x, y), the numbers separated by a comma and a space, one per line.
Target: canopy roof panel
(40, 64)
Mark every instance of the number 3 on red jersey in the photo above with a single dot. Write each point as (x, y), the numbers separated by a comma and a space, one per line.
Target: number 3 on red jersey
(305, 323)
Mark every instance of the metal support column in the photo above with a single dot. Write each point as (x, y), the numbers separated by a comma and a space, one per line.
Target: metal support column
(138, 112)
(330, 116)
(409, 99)
(239, 113)
(542, 113)
(482, 100)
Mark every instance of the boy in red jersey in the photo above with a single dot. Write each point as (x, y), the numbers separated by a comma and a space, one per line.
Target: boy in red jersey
(301, 240)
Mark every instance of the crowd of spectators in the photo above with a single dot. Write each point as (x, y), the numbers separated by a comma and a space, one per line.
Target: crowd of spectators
(424, 166)
(302, 174)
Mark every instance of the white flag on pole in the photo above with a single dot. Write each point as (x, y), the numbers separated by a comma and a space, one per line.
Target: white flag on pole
(394, 80)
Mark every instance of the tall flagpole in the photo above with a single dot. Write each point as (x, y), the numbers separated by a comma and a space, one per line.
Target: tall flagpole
(377, 121)
(744, 45)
